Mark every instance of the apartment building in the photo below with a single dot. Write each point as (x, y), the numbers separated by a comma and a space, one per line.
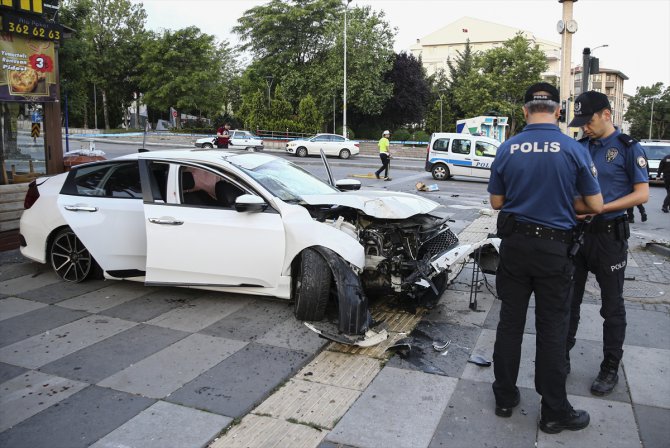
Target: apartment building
(610, 82)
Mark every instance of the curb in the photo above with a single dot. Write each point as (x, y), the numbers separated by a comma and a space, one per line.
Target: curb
(658, 249)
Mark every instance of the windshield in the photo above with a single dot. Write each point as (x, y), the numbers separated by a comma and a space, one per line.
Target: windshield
(280, 177)
(656, 152)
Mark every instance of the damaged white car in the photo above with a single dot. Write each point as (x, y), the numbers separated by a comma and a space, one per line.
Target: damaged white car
(247, 223)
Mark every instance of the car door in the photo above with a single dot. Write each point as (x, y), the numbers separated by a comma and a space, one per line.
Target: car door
(336, 143)
(485, 152)
(320, 142)
(205, 244)
(461, 153)
(102, 203)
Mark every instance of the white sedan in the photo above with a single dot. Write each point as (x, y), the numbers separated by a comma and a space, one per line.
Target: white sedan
(331, 144)
(238, 140)
(240, 222)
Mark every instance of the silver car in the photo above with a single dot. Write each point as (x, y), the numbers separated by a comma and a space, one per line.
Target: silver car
(238, 140)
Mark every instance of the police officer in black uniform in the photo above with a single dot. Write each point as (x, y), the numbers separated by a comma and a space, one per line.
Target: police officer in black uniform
(623, 179)
(540, 180)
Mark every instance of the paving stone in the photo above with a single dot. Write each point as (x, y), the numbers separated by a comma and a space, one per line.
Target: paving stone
(35, 322)
(612, 425)
(647, 329)
(309, 403)
(401, 408)
(19, 285)
(13, 306)
(30, 393)
(166, 425)
(470, 421)
(76, 422)
(10, 271)
(252, 321)
(493, 317)
(242, 381)
(327, 444)
(484, 347)
(149, 306)
(395, 320)
(294, 335)
(8, 371)
(265, 432)
(454, 308)
(585, 358)
(108, 297)
(423, 357)
(200, 312)
(46, 347)
(57, 292)
(590, 323)
(647, 375)
(339, 369)
(98, 361)
(163, 372)
(653, 425)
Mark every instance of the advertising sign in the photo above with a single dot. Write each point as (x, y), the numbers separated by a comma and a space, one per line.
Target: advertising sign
(27, 71)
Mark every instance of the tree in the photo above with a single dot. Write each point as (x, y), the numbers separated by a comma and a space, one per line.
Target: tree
(639, 112)
(254, 110)
(411, 92)
(115, 30)
(188, 70)
(309, 118)
(499, 79)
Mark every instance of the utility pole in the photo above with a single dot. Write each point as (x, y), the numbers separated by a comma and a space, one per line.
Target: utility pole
(566, 27)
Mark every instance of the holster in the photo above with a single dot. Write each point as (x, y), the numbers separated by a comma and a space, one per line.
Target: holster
(622, 230)
(506, 223)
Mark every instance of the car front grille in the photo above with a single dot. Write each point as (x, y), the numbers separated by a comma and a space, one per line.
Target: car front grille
(438, 244)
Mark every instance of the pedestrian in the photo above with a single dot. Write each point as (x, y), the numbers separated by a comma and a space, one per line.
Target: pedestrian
(385, 155)
(223, 136)
(643, 213)
(664, 170)
(623, 179)
(539, 180)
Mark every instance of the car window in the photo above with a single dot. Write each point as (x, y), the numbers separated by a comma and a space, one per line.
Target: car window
(484, 149)
(655, 152)
(336, 138)
(441, 144)
(117, 180)
(321, 138)
(460, 146)
(201, 187)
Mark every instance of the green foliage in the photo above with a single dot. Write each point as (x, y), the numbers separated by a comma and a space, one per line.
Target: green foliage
(639, 112)
(411, 91)
(254, 111)
(309, 118)
(421, 136)
(401, 135)
(350, 132)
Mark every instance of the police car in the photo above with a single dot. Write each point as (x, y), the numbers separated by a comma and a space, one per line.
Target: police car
(655, 150)
(454, 154)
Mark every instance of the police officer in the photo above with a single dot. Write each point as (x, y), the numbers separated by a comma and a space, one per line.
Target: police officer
(539, 179)
(664, 169)
(622, 174)
(384, 155)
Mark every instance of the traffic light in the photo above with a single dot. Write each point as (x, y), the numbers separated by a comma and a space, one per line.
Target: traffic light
(561, 117)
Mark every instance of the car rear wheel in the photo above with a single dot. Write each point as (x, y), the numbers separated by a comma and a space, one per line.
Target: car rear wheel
(311, 286)
(207, 145)
(301, 152)
(440, 172)
(70, 259)
(345, 153)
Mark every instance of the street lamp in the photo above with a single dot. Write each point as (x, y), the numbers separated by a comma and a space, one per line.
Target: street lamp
(344, 109)
(268, 81)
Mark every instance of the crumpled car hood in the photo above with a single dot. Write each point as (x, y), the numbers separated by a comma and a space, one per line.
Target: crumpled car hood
(378, 204)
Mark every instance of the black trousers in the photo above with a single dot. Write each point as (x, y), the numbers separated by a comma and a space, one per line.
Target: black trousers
(385, 164)
(666, 182)
(222, 145)
(605, 255)
(532, 265)
(630, 211)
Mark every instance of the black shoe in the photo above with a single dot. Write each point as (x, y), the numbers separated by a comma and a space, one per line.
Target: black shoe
(607, 378)
(507, 411)
(665, 209)
(574, 421)
(377, 175)
(631, 220)
(644, 217)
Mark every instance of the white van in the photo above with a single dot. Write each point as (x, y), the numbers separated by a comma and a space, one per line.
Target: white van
(452, 154)
(655, 150)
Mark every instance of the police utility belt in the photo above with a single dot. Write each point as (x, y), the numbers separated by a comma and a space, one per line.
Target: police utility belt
(507, 225)
(617, 226)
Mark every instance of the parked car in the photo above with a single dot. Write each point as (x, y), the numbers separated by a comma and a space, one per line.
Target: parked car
(238, 140)
(240, 222)
(655, 151)
(453, 154)
(331, 144)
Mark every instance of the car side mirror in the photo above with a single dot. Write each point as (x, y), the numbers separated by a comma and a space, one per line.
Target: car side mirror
(348, 184)
(250, 203)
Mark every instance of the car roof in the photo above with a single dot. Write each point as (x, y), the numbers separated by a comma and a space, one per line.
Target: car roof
(463, 134)
(197, 155)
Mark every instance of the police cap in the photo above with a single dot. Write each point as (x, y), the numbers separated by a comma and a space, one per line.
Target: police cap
(587, 104)
(542, 91)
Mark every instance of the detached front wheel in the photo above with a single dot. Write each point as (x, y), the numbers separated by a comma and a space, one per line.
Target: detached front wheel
(70, 259)
(311, 286)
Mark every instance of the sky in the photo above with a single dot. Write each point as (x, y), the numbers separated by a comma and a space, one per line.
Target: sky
(636, 32)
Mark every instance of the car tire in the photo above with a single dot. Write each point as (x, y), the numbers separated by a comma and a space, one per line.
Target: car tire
(70, 259)
(311, 286)
(345, 153)
(207, 145)
(249, 149)
(440, 172)
(301, 152)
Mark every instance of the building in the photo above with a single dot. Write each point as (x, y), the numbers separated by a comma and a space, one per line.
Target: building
(444, 44)
(610, 82)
